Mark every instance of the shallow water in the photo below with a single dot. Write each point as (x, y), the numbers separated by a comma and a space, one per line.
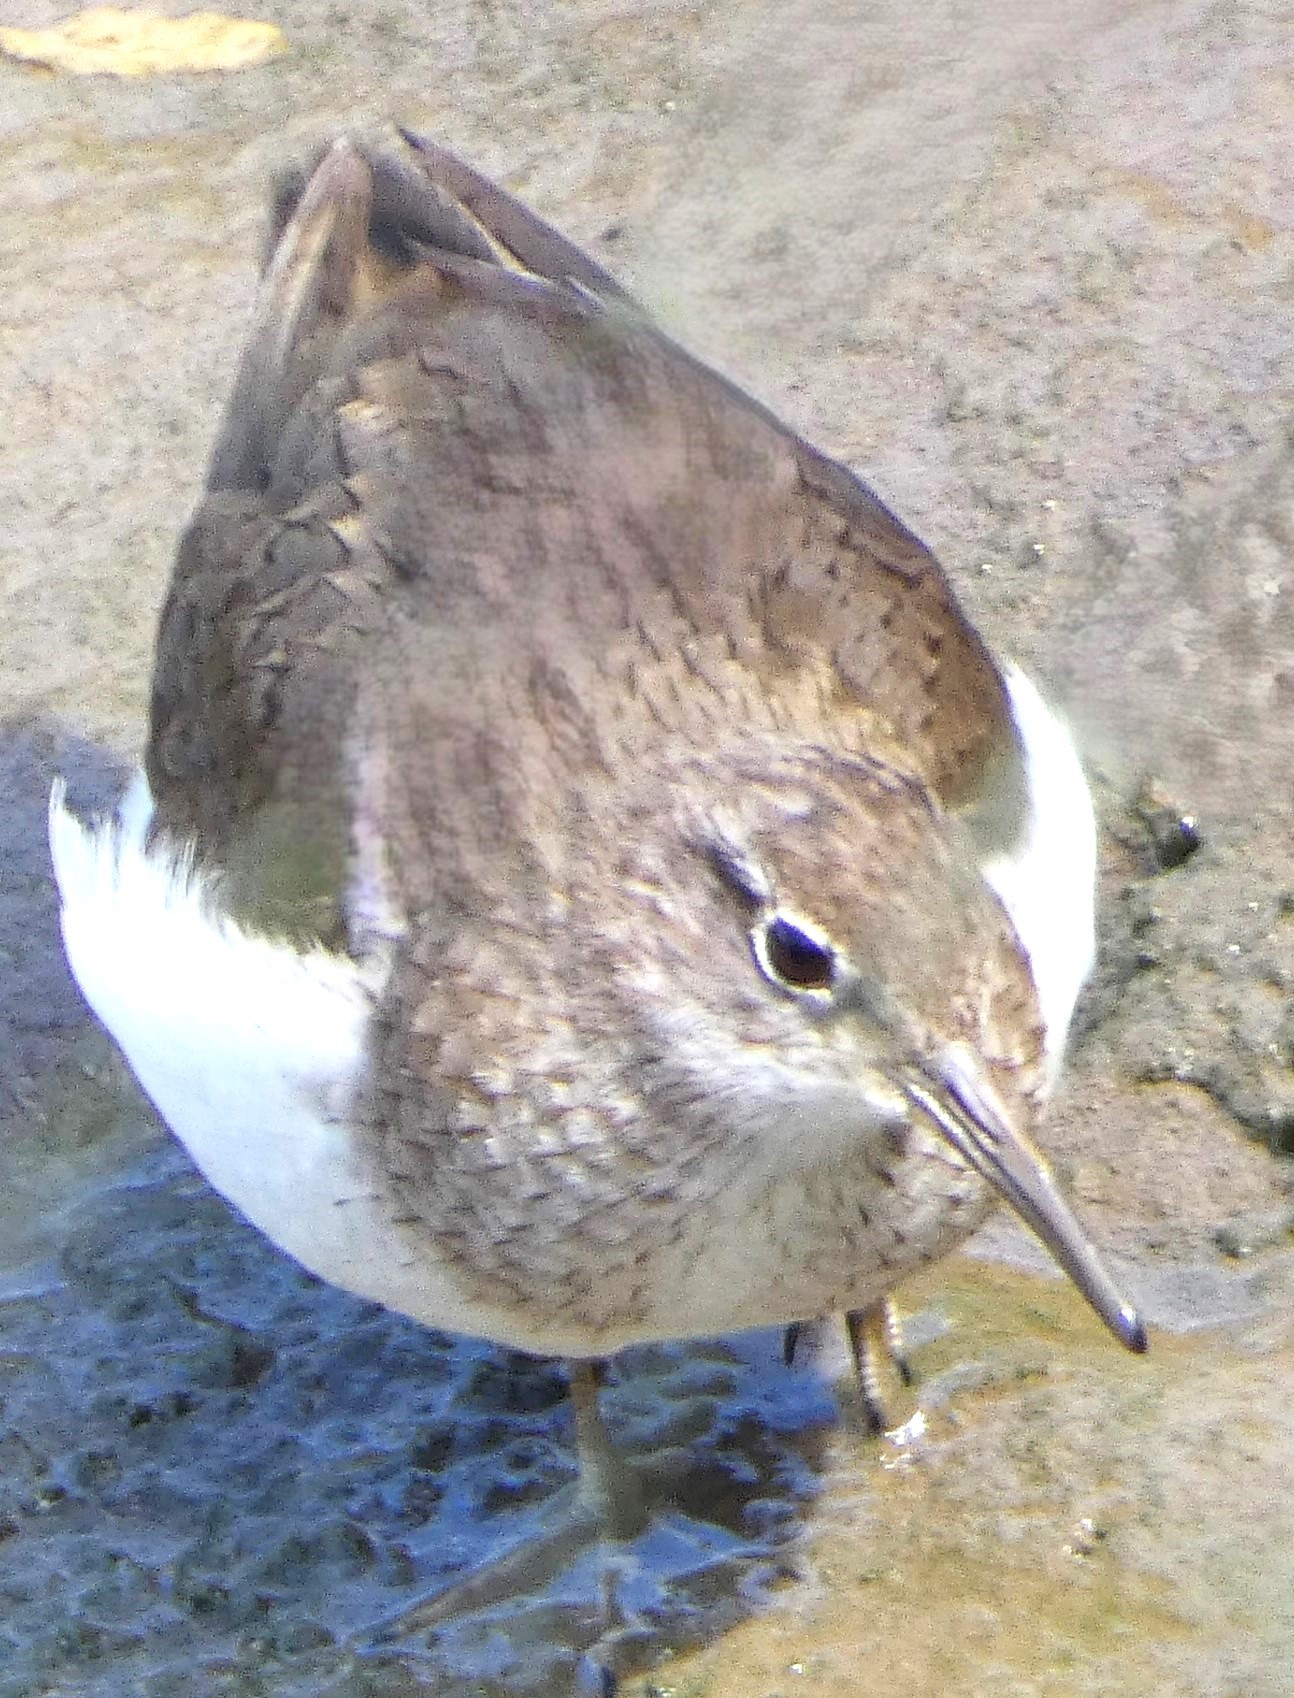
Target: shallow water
(1077, 1522)
(220, 1476)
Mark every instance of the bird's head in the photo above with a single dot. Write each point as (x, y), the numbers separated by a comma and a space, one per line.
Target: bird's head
(811, 964)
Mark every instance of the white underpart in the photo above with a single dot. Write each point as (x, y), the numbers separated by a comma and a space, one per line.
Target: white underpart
(252, 1051)
(1047, 884)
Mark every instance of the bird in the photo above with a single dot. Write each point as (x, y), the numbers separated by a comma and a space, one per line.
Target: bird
(588, 882)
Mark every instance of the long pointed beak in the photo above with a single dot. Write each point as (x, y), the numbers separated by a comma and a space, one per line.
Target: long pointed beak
(963, 1105)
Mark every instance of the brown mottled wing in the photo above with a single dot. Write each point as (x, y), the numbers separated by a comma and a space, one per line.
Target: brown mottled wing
(835, 570)
(462, 476)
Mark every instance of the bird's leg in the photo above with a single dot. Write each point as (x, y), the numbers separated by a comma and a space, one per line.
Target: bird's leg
(604, 1504)
(607, 1491)
(876, 1345)
(879, 1360)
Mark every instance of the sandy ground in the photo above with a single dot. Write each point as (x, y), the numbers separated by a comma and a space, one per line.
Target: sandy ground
(1029, 268)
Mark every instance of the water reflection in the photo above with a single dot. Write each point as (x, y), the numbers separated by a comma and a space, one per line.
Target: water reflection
(221, 1476)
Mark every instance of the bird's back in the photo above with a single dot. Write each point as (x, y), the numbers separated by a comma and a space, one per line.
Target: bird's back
(470, 505)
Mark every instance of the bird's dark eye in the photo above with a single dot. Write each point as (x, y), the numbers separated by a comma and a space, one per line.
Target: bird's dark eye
(793, 956)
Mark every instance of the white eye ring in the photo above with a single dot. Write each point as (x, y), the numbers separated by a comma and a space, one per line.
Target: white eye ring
(795, 955)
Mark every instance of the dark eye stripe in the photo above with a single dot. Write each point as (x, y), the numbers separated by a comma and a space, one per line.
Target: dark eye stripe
(741, 876)
(799, 960)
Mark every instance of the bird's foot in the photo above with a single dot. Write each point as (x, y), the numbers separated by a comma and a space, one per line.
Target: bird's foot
(590, 1522)
(882, 1372)
(882, 1376)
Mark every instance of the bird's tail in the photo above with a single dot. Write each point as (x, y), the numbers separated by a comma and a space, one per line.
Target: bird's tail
(343, 229)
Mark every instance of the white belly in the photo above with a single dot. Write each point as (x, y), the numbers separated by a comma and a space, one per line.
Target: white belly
(254, 1055)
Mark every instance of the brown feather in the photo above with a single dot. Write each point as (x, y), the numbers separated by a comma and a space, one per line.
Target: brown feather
(462, 472)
